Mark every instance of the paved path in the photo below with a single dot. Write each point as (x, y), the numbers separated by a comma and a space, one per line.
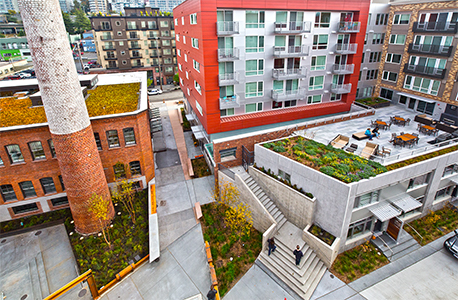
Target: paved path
(179, 138)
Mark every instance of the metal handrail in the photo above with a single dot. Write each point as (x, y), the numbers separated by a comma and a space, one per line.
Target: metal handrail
(226, 171)
(421, 238)
(384, 243)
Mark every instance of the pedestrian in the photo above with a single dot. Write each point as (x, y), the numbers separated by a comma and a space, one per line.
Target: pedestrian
(272, 246)
(368, 133)
(211, 295)
(298, 253)
(375, 132)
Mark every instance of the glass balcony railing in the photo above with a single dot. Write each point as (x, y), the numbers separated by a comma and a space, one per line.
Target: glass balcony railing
(349, 27)
(228, 54)
(229, 102)
(442, 27)
(296, 94)
(227, 27)
(228, 78)
(346, 48)
(341, 88)
(291, 51)
(343, 69)
(292, 27)
(296, 73)
(424, 70)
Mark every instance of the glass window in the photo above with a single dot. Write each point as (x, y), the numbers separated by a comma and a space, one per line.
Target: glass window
(119, 171)
(51, 148)
(196, 65)
(393, 58)
(195, 43)
(27, 189)
(419, 180)
(8, 193)
(253, 107)
(358, 228)
(48, 185)
(37, 151)
(316, 83)
(254, 19)
(228, 154)
(25, 208)
(381, 19)
(284, 175)
(378, 38)
(227, 112)
(197, 86)
(318, 63)
(386, 93)
(322, 19)
(397, 39)
(366, 199)
(129, 136)
(61, 182)
(390, 76)
(254, 44)
(314, 99)
(164, 23)
(254, 67)
(422, 85)
(193, 18)
(320, 42)
(113, 139)
(336, 97)
(135, 168)
(1, 161)
(59, 201)
(401, 19)
(444, 193)
(97, 140)
(254, 89)
(449, 170)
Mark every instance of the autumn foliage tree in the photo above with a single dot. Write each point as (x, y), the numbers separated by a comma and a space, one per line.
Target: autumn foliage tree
(125, 193)
(100, 207)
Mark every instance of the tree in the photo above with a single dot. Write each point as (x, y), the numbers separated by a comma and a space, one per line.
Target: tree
(176, 78)
(82, 22)
(12, 12)
(68, 23)
(21, 33)
(100, 207)
(125, 194)
(76, 5)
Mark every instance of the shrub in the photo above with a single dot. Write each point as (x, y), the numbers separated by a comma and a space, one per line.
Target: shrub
(279, 149)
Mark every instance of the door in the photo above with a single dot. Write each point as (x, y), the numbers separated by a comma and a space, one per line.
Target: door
(394, 228)
(294, 43)
(442, 21)
(378, 226)
(296, 20)
(436, 43)
(293, 63)
(338, 79)
(412, 102)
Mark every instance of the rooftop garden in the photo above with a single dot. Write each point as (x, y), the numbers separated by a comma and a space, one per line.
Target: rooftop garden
(334, 162)
(372, 101)
(103, 100)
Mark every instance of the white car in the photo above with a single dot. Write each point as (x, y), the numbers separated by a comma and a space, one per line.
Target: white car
(86, 66)
(24, 75)
(154, 92)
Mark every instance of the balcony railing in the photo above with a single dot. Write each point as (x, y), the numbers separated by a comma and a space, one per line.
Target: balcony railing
(227, 27)
(111, 67)
(281, 74)
(292, 27)
(424, 70)
(346, 48)
(111, 47)
(131, 47)
(136, 56)
(110, 58)
(228, 78)
(152, 37)
(137, 66)
(133, 37)
(349, 27)
(288, 95)
(228, 54)
(442, 27)
(343, 69)
(106, 38)
(437, 50)
(291, 51)
(151, 46)
(229, 102)
(341, 88)
(154, 55)
(131, 27)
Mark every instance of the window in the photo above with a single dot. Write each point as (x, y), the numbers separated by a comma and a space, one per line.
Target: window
(318, 63)
(193, 18)
(386, 93)
(254, 44)
(290, 103)
(195, 43)
(178, 37)
(363, 57)
(165, 43)
(51, 148)
(48, 185)
(164, 23)
(378, 38)
(401, 19)
(61, 182)
(135, 168)
(253, 107)
(426, 107)
(97, 140)
(196, 65)
(393, 58)
(131, 25)
(397, 39)
(371, 74)
(449, 170)
(444, 193)
(59, 201)
(320, 42)
(129, 136)
(197, 86)
(254, 19)
(314, 99)
(37, 151)
(322, 19)
(364, 93)
(187, 74)
(419, 180)
(165, 33)
(228, 154)
(366, 199)
(390, 76)
(179, 52)
(254, 67)
(381, 19)
(254, 89)
(182, 20)
(184, 39)
(226, 112)
(27, 189)
(316, 83)
(359, 228)
(25, 208)
(186, 57)
(1, 161)
(8, 193)
(152, 25)
(284, 175)
(423, 85)
(335, 97)
(375, 57)
(112, 137)
(119, 171)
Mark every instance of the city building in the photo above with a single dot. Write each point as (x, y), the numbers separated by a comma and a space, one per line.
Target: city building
(31, 178)
(14, 48)
(98, 6)
(6, 5)
(139, 39)
(165, 5)
(66, 5)
(118, 5)
(87, 43)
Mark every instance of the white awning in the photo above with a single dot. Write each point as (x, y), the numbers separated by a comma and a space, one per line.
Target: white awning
(417, 97)
(385, 212)
(405, 202)
(199, 135)
(454, 179)
(190, 117)
(195, 129)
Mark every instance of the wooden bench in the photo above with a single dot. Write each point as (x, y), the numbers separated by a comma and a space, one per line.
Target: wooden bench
(198, 210)
(190, 170)
(180, 116)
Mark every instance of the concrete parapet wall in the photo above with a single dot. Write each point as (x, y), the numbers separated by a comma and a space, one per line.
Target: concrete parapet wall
(325, 252)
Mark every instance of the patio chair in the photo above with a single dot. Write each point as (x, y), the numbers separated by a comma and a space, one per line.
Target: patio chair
(415, 134)
(386, 151)
(408, 121)
(402, 133)
(352, 148)
(393, 137)
(373, 124)
(410, 143)
(388, 126)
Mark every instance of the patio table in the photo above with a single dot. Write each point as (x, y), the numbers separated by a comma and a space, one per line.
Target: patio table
(428, 129)
(381, 124)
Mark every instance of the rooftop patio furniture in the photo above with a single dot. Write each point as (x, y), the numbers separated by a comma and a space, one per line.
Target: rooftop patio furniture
(373, 124)
(352, 148)
(408, 121)
(446, 127)
(393, 136)
(386, 151)
(340, 141)
(360, 136)
(379, 123)
(369, 150)
(423, 119)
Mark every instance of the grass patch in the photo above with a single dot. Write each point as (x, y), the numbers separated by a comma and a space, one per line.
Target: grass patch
(434, 225)
(371, 101)
(357, 262)
(233, 254)
(186, 125)
(322, 234)
(200, 167)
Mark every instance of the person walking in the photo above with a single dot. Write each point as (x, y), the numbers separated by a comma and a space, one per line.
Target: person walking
(211, 295)
(298, 253)
(272, 246)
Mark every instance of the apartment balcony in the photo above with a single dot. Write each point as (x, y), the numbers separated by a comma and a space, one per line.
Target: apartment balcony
(435, 27)
(343, 69)
(154, 55)
(229, 102)
(138, 66)
(436, 50)
(132, 38)
(282, 74)
(111, 67)
(346, 48)
(228, 78)
(134, 47)
(341, 88)
(292, 27)
(228, 54)
(227, 28)
(424, 71)
(291, 51)
(110, 58)
(107, 48)
(349, 27)
(153, 37)
(106, 38)
(288, 95)
(153, 46)
(132, 28)
(133, 56)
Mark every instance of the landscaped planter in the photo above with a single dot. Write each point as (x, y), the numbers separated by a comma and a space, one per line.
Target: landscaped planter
(374, 102)
(327, 253)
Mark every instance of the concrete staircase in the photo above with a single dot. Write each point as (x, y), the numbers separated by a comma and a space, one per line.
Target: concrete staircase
(394, 250)
(38, 278)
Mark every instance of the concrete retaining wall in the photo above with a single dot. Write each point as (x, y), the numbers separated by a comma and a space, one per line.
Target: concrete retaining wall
(325, 252)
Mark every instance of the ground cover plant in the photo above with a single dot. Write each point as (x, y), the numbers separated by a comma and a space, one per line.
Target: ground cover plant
(14, 111)
(186, 125)
(371, 101)
(200, 167)
(34, 220)
(421, 158)
(357, 262)
(334, 162)
(434, 225)
(322, 234)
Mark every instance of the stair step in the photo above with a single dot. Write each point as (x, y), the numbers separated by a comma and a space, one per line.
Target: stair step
(256, 189)
(263, 198)
(288, 260)
(403, 246)
(259, 193)
(404, 252)
(282, 221)
(249, 180)
(35, 280)
(316, 278)
(277, 214)
(269, 205)
(273, 210)
(42, 276)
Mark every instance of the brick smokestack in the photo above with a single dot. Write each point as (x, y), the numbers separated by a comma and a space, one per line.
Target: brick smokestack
(66, 111)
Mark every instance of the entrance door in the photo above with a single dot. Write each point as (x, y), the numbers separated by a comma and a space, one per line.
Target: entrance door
(394, 228)
(378, 226)
(293, 63)
(412, 103)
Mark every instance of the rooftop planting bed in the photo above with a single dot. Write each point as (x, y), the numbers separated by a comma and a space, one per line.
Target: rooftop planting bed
(103, 100)
(334, 162)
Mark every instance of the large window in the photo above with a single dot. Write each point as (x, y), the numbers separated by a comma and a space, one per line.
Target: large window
(48, 185)
(322, 19)
(25, 208)
(195, 64)
(423, 85)
(371, 74)
(401, 19)
(320, 42)
(254, 67)
(37, 151)
(318, 63)
(366, 199)
(314, 99)
(254, 19)
(113, 139)
(316, 83)
(97, 140)
(228, 154)
(135, 168)
(450, 170)
(51, 148)
(393, 58)
(197, 86)
(254, 89)
(226, 112)
(8, 193)
(253, 107)
(386, 93)
(193, 19)
(119, 171)
(390, 76)
(359, 228)
(195, 43)
(381, 19)
(164, 23)
(397, 39)
(378, 38)
(254, 44)
(14, 153)
(129, 136)
(375, 57)
(444, 193)
(27, 189)
(419, 180)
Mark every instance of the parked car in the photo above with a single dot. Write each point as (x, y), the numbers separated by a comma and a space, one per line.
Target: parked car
(24, 75)
(92, 62)
(86, 66)
(154, 92)
(451, 244)
(14, 77)
(29, 71)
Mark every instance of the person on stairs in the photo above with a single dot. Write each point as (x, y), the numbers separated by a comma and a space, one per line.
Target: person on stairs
(298, 253)
(272, 246)
(211, 295)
